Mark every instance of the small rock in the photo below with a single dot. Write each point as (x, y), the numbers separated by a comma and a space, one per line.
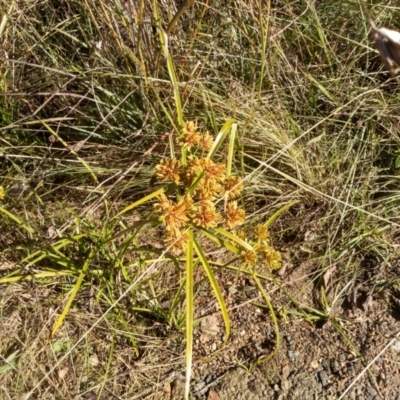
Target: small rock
(326, 364)
(293, 355)
(199, 386)
(334, 366)
(323, 378)
(167, 389)
(285, 372)
(94, 360)
(396, 346)
(285, 386)
(371, 393)
(210, 325)
(90, 395)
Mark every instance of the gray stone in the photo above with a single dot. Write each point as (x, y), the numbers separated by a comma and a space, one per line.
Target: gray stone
(323, 378)
(371, 393)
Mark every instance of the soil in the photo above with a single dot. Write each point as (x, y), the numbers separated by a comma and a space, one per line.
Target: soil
(324, 358)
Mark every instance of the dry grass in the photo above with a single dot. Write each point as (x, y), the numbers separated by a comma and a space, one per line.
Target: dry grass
(86, 100)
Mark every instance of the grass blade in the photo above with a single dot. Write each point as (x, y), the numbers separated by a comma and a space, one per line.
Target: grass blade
(85, 164)
(220, 137)
(277, 213)
(74, 292)
(235, 238)
(216, 290)
(141, 201)
(189, 312)
(231, 149)
(17, 220)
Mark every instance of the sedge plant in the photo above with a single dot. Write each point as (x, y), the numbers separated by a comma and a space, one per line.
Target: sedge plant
(199, 203)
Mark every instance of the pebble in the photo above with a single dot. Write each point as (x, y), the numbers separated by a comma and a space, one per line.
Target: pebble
(371, 393)
(285, 386)
(199, 386)
(335, 366)
(293, 355)
(323, 378)
(396, 346)
(285, 372)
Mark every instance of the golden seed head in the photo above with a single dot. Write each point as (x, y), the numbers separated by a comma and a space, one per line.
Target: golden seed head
(262, 233)
(175, 215)
(206, 141)
(169, 170)
(213, 170)
(206, 215)
(190, 137)
(249, 258)
(272, 257)
(234, 215)
(177, 240)
(233, 187)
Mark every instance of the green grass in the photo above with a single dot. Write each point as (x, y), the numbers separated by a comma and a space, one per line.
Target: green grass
(87, 97)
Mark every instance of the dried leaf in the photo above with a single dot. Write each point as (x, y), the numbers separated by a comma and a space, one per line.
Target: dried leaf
(5, 265)
(51, 232)
(368, 304)
(355, 292)
(213, 395)
(167, 389)
(62, 373)
(93, 360)
(328, 274)
(396, 346)
(77, 146)
(210, 325)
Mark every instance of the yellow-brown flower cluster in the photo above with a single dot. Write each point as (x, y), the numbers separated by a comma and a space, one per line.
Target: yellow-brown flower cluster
(265, 253)
(206, 215)
(272, 258)
(169, 170)
(206, 141)
(210, 185)
(175, 216)
(191, 137)
(262, 233)
(233, 186)
(177, 240)
(249, 258)
(201, 182)
(234, 215)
